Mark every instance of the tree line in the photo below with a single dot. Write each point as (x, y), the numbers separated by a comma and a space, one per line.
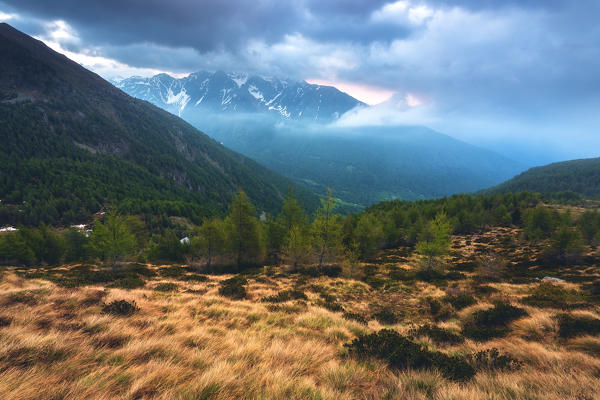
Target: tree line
(293, 237)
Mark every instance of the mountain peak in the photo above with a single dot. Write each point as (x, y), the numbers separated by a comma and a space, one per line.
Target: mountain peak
(240, 92)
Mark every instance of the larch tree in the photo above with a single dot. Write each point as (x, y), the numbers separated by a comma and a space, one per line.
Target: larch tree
(243, 231)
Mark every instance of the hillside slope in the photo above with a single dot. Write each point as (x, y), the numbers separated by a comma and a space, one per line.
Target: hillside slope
(365, 165)
(579, 176)
(72, 142)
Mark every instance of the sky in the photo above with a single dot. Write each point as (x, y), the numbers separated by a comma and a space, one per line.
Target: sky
(518, 76)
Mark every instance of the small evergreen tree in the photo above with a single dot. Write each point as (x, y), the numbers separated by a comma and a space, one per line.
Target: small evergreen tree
(297, 247)
(76, 246)
(210, 241)
(369, 235)
(243, 231)
(111, 239)
(434, 240)
(326, 231)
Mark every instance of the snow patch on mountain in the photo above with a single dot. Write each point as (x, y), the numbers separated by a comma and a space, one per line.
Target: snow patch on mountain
(180, 99)
(253, 90)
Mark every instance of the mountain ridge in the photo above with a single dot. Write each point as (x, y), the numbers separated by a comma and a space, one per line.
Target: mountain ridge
(240, 92)
(580, 176)
(73, 142)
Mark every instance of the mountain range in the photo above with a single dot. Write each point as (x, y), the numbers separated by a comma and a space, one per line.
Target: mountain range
(291, 128)
(72, 143)
(240, 93)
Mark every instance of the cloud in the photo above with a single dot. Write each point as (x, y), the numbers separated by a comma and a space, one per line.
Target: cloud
(481, 70)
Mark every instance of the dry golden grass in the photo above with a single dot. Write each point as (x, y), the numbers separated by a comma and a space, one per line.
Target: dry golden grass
(193, 343)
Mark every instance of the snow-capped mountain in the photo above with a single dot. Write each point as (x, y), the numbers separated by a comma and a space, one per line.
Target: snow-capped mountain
(234, 92)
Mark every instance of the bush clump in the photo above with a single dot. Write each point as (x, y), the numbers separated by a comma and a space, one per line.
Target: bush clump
(128, 282)
(547, 295)
(166, 287)
(121, 308)
(355, 317)
(402, 353)
(439, 311)
(330, 302)
(195, 278)
(571, 326)
(5, 321)
(234, 288)
(386, 316)
(491, 359)
(285, 295)
(437, 334)
(460, 301)
(171, 272)
(492, 323)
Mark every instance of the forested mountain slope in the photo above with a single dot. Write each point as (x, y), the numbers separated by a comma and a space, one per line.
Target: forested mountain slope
(579, 176)
(72, 142)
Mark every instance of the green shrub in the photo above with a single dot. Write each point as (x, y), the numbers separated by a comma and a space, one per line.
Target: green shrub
(285, 295)
(120, 308)
(402, 353)
(570, 326)
(491, 359)
(439, 311)
(355, 317)
(331, 302)
(171, 272)
(234, 288)
(492, 323)
(386, 316)
(547, 295)
(437, 334)
(484, 290)
(195, 278)
(466, 266)
(128, 282)
(166, 287)
(460, 301)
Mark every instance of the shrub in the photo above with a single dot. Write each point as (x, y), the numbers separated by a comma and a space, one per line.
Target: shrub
(466, 266)
(402, 353)
(386, 316)
(332, 271)
(120, 308)
(491, 359)
(485, 290)
(437, 334)
(195, 278)
(129, 282)
(401, 274)
(547, 295)
(171, 272)
(355, 317)
(234, 288)
(331, 302)
(570, 326)
(439, 311)
(460, 301)
(285, 295)
(5, 321)
(491, 323)
(166, 287)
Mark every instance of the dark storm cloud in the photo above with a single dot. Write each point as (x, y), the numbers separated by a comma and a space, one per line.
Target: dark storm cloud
(482, 67)
(212, 24)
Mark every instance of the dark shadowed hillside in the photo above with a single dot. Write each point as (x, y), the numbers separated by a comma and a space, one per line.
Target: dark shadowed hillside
(72, 142)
